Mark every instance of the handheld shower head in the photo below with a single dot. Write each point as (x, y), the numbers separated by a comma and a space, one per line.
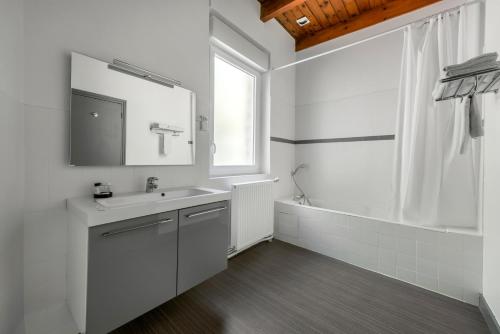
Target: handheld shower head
(298, 168)
(302, 196)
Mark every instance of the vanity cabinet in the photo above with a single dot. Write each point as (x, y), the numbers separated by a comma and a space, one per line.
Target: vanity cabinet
(203, 243)
(120, 268)
(131, 269)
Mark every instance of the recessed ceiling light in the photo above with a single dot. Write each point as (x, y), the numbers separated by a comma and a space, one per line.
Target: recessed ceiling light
(303, 21)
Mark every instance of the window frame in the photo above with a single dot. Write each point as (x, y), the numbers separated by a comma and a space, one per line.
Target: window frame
(238, 62)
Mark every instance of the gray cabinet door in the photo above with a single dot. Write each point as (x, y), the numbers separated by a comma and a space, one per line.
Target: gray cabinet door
(132, 268)
(203, 240)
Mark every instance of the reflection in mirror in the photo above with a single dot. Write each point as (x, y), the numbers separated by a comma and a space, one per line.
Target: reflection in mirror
(122, 119)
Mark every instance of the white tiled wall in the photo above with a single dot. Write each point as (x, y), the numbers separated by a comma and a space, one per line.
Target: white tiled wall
(345, 95)
(447, 263)
(353, 177)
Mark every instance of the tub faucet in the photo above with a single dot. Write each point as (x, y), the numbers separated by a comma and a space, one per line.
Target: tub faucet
(301, 199)
(151, 184)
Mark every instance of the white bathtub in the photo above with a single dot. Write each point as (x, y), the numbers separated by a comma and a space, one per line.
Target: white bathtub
(446, 262)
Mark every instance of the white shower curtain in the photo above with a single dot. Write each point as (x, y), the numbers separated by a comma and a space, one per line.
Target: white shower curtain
(434, 184)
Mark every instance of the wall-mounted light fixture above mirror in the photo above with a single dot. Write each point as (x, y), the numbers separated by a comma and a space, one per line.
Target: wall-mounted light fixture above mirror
(122, 116)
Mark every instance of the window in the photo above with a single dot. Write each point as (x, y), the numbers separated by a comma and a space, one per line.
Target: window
(235, 116)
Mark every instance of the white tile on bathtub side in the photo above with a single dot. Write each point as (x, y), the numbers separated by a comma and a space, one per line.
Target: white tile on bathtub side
(473, 281)
(371, 238)
(387, 241)
(312, 226)
(406, 275)
(450, 255)
(407, 262)
(368, 252)
(348, 246)
(363, 223)
(473, 253)
(473, 243)
(428, 268)
(427, 251)
(471, 297)
(342, 231)
(451, 274)
(364, 236)
(290, 240)
(349, 257)
(339, 253)
(325, 225)
(450, 290)
(473, 261)
(334, 248)
(288, 225)
(387, 270)
(343, 220)
(427, 282)
(424, 235)
(288, 208)
(407, 246)
(367, 263)
(311, 233)
(314, 245)
(281, 207)
(365, 256)
(405, 231)
(473, 286)
(387, 228)
(315, 214)
(387, 257)
(451, 240)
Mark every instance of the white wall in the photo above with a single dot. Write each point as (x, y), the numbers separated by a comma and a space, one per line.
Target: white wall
(166, 36)
(11, 166)
(491, 264)
(350, 93)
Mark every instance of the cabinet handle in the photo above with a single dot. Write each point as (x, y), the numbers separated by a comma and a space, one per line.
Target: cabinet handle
(111, 233)
(205, 212)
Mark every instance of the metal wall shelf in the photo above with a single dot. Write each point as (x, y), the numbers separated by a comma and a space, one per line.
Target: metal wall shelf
(479, 82)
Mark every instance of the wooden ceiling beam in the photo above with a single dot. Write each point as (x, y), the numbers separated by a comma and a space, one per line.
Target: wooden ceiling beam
(379, 14)
(269, 9)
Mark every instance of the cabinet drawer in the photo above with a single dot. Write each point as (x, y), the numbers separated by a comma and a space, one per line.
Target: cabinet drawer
(203, 240)
(132, 268)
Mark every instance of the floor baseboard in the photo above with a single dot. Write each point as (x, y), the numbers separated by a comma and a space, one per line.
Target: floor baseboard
(489, 317)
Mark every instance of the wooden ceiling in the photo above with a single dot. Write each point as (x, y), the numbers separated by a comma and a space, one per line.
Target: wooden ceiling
(330, 19)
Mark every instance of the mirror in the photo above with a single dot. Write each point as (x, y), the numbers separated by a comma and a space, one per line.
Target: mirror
(121, 117)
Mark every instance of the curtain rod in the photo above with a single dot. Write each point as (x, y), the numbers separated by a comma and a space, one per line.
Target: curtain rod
(425, 19)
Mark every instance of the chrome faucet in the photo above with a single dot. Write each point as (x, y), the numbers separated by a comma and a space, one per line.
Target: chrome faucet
(301, 199)
(151, 184)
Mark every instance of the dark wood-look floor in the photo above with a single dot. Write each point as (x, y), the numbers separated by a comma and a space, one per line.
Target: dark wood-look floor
(279, 288)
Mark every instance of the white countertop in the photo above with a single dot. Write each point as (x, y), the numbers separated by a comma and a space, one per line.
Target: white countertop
(94, 214)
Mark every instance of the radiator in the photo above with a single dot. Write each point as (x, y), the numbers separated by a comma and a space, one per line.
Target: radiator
(252, 213)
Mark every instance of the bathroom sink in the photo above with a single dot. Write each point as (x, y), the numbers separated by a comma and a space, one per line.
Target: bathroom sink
(157, 196)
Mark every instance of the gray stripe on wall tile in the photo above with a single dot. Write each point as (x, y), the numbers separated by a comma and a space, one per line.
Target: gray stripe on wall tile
(333, 140)
(282, 140)
(344, 140)
(488, 316)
